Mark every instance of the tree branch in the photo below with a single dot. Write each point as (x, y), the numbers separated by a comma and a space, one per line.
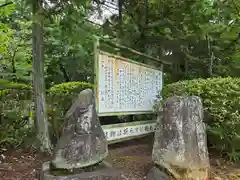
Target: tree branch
(120, 17)
(6, 4)
(232, 43)
(236, 7)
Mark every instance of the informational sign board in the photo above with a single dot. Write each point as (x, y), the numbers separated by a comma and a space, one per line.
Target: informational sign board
(124, 86)
(119, 132)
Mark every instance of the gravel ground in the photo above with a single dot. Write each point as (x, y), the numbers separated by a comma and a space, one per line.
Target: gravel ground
(132, 157)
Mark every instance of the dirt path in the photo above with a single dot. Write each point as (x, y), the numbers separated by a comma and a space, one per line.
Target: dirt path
(133, 157)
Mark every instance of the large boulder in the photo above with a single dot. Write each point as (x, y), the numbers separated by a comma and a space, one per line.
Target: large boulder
(83, 142)
(180, 139)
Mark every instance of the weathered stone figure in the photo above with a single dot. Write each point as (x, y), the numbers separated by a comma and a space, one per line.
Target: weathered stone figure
(180, 140)
(83, 142)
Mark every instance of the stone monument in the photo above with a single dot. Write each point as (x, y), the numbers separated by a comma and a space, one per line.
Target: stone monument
(180, 148)
(81, 146)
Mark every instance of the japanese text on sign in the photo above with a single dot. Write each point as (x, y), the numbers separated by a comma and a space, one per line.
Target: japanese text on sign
(128, 131)
(125, 87)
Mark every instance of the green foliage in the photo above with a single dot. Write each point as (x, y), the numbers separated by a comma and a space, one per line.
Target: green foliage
(60, 98)
(193, 35)
(200, 38)
(68, 58)
(15, 104)
(15, 33)
(13, 85)
(221, 99)
(68, 89)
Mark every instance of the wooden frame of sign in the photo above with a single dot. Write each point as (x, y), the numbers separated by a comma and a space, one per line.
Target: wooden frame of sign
(125, 87)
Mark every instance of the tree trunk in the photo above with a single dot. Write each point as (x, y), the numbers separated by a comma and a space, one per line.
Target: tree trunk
(64, 71)
(210, 66)
(38, 79)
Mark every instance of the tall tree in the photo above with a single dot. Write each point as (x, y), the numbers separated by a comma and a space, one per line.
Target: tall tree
(38, 77)
(187, 33)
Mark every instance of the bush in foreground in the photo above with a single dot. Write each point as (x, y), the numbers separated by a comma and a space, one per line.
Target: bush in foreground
(16, 104)
(60, 97)
(221, 101)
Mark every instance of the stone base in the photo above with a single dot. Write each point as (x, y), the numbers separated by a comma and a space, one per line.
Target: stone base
(157, 174)
(105, 173)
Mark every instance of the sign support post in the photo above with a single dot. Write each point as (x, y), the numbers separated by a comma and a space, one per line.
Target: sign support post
(96, 68)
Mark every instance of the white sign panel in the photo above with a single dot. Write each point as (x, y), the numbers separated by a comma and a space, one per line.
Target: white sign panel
(125, 87)
(117, 133)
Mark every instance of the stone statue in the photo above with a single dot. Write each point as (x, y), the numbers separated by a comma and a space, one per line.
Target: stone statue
(180, 145)
(83, 142)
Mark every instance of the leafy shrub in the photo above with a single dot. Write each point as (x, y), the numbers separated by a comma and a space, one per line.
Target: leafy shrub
(63, 94)
(4, 84)
(221, 100)
(60, 98)
(15, 103)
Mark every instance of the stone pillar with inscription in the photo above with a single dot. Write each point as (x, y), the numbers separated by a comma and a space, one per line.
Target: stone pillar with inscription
(82, 146)
(180, 148)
